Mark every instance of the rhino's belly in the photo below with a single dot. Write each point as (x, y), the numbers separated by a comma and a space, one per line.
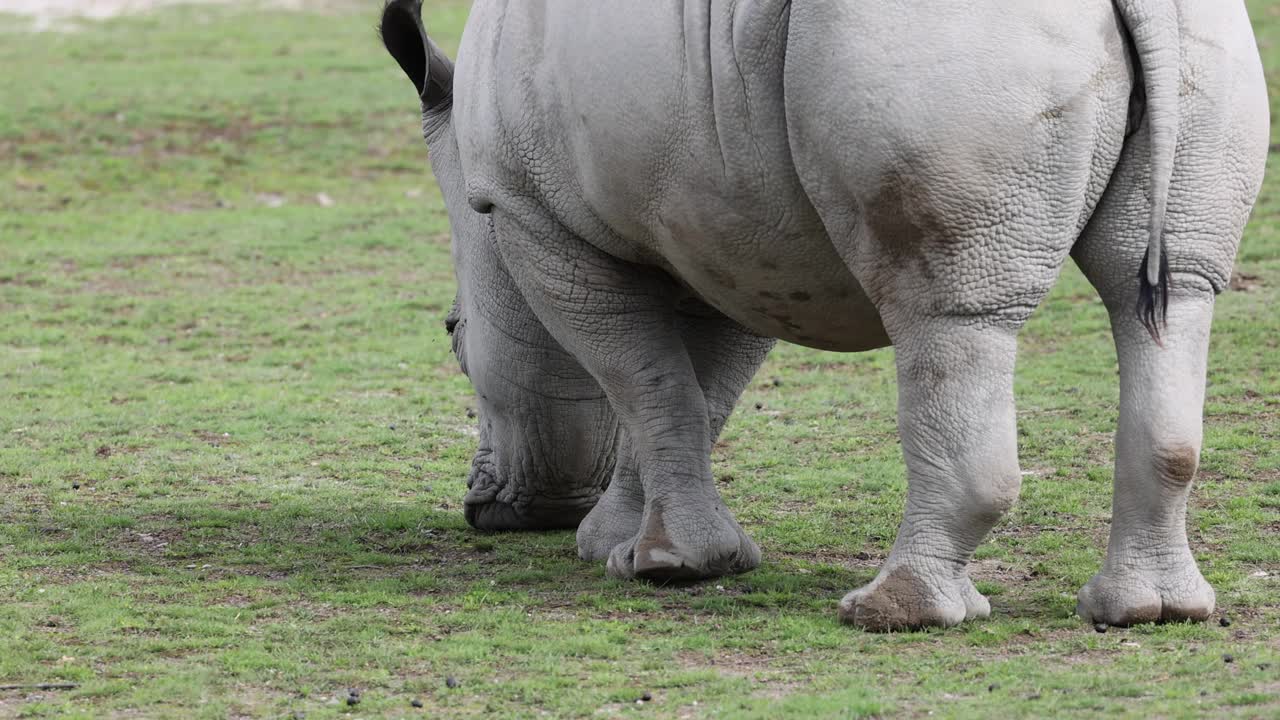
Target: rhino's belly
(785, 282)
(827, 318)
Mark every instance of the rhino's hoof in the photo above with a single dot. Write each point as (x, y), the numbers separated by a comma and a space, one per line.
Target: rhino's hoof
(1130, 598)
(902, 599)
(650, 558)
(613, 522)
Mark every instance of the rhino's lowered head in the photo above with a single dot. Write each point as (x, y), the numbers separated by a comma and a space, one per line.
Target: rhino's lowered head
(547, 434)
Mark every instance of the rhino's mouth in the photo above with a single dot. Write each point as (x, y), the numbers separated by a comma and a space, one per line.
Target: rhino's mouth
(482, 482)
(495, 503)
(455, 325)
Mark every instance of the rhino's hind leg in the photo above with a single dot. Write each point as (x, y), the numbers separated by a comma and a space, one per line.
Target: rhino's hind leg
(956, 419)
(1150, 574)
(619, 320)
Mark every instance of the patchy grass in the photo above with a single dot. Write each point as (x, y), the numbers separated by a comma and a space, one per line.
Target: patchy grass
(233, 441)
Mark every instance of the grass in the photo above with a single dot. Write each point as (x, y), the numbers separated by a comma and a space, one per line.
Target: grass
(232, 440)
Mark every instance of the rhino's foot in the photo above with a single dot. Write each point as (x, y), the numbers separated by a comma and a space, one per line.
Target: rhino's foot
(613, 521)
(903, 599)
(1128, 596)
(684, 546)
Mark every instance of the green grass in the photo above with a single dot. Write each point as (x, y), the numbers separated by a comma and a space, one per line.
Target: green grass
(232, 441)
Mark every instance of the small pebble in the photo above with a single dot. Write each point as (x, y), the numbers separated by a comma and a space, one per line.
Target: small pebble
(1228, 658)
(451, 682)
(1224, 621)
(1100, 627)
(415, 703)
(759, 406)
(646, 697)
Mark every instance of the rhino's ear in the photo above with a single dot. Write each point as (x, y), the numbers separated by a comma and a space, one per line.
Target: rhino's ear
(406, 39)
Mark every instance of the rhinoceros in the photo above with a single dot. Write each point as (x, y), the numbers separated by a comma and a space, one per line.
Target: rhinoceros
(645, 195)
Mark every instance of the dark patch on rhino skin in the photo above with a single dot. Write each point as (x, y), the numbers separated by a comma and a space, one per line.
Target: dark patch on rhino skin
(768, 265)
(927, 373)
(901, 222)
(720, 277)
(1188, 86)
(767, 295)
(800, 296)
(785, 320)
(1053, 113)
(1176, 466)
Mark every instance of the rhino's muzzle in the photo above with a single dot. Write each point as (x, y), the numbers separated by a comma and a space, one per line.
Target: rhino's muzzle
(546, 514)
(497, 503)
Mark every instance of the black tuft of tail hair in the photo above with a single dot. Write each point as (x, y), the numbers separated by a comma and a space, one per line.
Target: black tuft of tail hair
(1153, 300)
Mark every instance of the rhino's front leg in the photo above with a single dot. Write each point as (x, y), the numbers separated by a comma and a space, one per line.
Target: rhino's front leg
(620, 321)
(725, 357)
(616, 518)
(956, 419)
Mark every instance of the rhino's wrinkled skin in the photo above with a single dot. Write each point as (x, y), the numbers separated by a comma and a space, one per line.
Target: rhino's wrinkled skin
(664, 184)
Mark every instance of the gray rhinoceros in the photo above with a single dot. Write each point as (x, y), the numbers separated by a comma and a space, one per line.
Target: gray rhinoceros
(667, 185)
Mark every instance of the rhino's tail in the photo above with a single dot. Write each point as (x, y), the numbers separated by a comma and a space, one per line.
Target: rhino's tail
(1153, 25)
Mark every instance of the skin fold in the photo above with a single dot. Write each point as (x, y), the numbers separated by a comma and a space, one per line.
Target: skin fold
(645, 195)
